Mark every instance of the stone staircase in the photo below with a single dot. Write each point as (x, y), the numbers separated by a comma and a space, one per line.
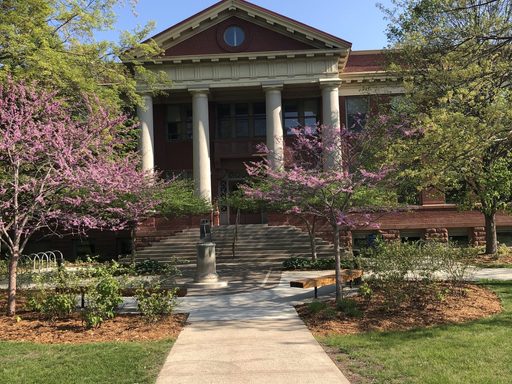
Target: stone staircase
(256, 243)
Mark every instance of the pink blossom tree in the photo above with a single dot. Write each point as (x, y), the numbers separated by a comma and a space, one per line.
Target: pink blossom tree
(60, 173)
(327, 175)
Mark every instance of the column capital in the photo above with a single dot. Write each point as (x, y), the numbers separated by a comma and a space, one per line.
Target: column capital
(272, 85)
(199, 89)
(329, 83)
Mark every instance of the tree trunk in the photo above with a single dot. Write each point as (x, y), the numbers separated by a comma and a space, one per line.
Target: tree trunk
(132, 234)
(491, 239)
(13, 268)
(337, 267)
(311, 227)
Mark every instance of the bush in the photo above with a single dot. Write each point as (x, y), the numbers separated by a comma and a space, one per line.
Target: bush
(366, 292)
(302, 263)
(4, 268)
(155, 303)
(103, 296)
(403, 271)
(56, 295)
(349, 308)
(148, 267)
(316, 306)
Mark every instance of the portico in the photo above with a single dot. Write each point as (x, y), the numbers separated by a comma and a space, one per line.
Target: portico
(204, 137)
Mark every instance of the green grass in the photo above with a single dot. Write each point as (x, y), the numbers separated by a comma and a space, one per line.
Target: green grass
(473, 353)
(126, 363)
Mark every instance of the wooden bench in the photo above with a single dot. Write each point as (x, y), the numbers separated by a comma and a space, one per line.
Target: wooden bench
(347, 276)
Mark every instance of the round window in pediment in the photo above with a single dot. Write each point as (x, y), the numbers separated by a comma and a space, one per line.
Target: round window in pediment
(234, 36)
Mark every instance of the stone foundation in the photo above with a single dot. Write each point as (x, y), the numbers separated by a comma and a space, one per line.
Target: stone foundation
(390, 234)
(437, 234)
(477, 236)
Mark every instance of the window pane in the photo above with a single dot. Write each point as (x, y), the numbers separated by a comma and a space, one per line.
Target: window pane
(173, 113)
(242, 110)
(241, 127)
(310, 108)
(225, 129)
(172, 131)
(357, 110)
(234, 36)
(259, 109)
(260, 127)
(188, 123)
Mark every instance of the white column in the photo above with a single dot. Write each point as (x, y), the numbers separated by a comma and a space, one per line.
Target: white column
(331, 122)
(147, 136)
(201, 144)
(274, 124)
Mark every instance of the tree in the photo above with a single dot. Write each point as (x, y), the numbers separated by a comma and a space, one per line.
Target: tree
(60, 173)
(456, 59)
(311, 184)
(52, 42)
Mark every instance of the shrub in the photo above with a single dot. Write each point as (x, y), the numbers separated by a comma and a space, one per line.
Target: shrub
(316, 306)
(366, 292)
(302, 263)
(155, 303)
(149, 267)
(349, 308)
(4, 268)
(103, 296)
(402, 271)
(294, 263)
(56, 294)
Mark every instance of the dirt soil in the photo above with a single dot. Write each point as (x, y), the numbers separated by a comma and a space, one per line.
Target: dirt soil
(470, 302)
(28, 326)
(490, 260)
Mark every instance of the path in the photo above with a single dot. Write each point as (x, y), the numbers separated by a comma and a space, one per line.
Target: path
(246, 338)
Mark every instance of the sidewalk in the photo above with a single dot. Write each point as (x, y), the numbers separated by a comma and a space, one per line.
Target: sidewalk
(245, 338)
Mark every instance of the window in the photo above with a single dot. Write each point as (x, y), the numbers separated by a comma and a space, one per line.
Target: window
(362, 240)
(241, 120)
(179, 122)
(234, 36)
(124, 246)
(504, 235)
(83, 248)
(356, 108)
(411, 236)
(300, 113)
(458, 237)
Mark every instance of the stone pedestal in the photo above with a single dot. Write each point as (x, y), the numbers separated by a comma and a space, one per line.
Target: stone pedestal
(206, 272)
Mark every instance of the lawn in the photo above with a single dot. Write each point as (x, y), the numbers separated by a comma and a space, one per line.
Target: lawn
(96, 363)
(477, 352)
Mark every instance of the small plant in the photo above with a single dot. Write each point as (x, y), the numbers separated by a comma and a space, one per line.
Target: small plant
(56, 296)
(155, 303)
(503, 251)
(404, 271)
(294, 263)
(103, 296)
(349, 308)
(4, 268)
(302, 263)
(366, 292)
(316, 306)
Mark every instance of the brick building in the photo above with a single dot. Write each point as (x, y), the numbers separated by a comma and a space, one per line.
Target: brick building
(241, 75)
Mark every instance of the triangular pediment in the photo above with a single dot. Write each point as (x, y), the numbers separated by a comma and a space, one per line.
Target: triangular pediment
(264, 31)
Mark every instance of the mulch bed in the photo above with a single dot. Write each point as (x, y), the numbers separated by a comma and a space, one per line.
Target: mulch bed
(483, 260)
(28, 326)
(470, 302)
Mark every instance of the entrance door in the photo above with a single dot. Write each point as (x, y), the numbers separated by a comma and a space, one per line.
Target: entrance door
(228, 213)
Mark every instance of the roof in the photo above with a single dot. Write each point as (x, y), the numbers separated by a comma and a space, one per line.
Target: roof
(254, 11)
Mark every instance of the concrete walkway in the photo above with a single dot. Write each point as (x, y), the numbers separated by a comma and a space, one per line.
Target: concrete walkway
(254, 337)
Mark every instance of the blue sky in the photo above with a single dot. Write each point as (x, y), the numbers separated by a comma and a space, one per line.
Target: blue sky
(358, 21)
